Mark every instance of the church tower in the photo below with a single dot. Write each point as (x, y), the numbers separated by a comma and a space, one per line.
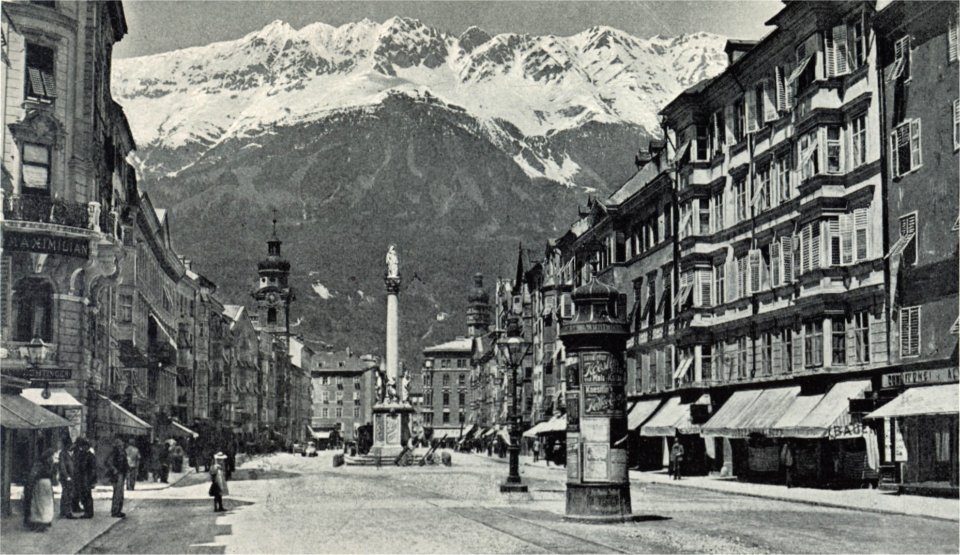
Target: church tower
(273, 292)
(478, 309)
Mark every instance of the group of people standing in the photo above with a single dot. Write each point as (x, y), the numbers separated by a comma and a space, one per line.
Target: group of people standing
(75, 468)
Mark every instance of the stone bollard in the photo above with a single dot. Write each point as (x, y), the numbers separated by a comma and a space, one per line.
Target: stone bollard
(446, 459)
(338, 460)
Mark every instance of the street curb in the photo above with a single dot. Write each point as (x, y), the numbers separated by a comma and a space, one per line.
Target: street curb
(134, 503)
(826, 504)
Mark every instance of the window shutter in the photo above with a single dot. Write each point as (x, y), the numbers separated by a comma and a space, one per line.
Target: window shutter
(786, 255)
(910, 331)
(805, 240)
(894, 152)
(846, 238)
(916, 158)
(729, 277)
(728, 120)
(751, 107)
(706, 279)
(830, 54)
(952, 40)
(815, 251)
(781, 98)
(861, 230)
(49, 84)
(769, 102)
(833, 232)
(956, 123)
(840, 49)
(755, 277)
(775, 269)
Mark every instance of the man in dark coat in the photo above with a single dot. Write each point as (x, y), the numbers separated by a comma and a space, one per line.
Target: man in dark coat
(68, 471)
(164, 460)
(117, 468)
(86, 477)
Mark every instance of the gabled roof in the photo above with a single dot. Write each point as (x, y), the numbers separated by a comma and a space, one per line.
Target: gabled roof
(233, 311)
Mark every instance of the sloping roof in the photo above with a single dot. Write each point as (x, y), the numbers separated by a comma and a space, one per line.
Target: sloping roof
(339, 361)
(161, 214)
(460, 344)
(233, 311)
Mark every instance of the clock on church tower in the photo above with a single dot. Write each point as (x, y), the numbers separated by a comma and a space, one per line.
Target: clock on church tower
(273, 292)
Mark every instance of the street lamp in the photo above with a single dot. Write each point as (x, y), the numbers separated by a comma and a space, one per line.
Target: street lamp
(512, 352)
(36, 353)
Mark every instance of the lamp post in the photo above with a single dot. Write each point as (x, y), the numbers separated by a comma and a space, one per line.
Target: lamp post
(512, 351)
(36, 353)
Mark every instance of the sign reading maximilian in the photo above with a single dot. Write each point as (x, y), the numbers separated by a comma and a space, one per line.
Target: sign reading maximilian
(46, 244)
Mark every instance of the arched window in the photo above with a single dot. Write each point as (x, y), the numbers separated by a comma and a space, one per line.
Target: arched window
(33, 306)
(271, 316)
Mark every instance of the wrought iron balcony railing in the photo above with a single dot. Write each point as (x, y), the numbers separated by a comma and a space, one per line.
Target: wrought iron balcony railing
(35, 208)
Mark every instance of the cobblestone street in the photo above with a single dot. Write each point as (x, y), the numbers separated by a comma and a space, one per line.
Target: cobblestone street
(286, 503)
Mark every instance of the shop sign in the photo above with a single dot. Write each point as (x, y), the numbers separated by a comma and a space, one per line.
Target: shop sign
(851, 430)
(603, 400)
(53, 374)
(595, 429)
(918, 377)
(46, 244)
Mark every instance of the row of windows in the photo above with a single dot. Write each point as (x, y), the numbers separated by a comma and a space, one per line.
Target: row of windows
(778, 351)
(445, 418)
(445, 379)
(461, 398)
(325, 396)
(338, 412)
(326, 380)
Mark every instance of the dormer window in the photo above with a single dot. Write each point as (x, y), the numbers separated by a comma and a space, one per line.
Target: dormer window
(41, 86)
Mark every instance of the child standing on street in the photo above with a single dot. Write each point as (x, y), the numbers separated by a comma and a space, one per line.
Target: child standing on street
(218, 481)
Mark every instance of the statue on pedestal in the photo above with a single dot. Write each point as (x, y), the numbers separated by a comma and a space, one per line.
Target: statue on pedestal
(393, 262)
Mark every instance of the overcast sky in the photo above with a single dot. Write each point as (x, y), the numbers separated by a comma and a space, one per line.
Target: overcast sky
(159, 26)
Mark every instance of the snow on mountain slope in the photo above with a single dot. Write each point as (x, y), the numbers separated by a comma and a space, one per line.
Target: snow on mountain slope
(279, 76)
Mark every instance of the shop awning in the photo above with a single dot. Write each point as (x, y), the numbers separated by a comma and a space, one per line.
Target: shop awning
(18, 413)
(532, 432)
(755, 411)
(831, 412)
(163, 331)
(466, 431)
(504, 436)
(931, 399)
(796, 412)
(641, 412)
(58, 397)
(555, 424)
(121, 418)
(180, 429)
(667, 419)
(322, 434)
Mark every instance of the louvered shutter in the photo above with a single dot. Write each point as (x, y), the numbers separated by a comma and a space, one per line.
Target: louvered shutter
(755, 278)
(833, 231)
(916, 158)
(788, 89)
(846, 238)
(786, 255)
(805, 249)
(728, 119)
(769, 102)
(49, 84)
(861, 230)
(830, 54)
(910, 331)
(775, 270)
(952, 39)
(751, 108)
(956, 123)
(706, 287)
(729, 276)
(894, 154)
(839, 36)
(815, 243)
(780, 86)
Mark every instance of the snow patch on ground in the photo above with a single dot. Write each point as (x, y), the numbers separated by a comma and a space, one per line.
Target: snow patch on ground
(321, 290)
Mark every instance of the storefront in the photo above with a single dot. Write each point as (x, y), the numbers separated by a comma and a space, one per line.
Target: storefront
(674, 421)
(925, 417)
(27, 430)
(60, 402)
(645, 452)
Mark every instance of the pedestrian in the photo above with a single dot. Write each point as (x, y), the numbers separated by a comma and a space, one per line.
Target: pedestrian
(547, 451)
(67, 470)
(153, 460)
(117, 468)
(133, 462)
(40, 506)
(536, 450)
(218, 482)
(676, 459)
(86, 477)
(176, 458)
(786, 459)
(164, 461)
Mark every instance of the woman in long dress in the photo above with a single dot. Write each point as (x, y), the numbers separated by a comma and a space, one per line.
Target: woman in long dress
(218, 481)
(41, 500)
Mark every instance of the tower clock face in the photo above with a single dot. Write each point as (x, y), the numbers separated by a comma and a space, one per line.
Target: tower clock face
(272, 297)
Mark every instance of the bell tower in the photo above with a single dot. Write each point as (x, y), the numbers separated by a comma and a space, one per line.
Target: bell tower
(478, 309)
(273, 292)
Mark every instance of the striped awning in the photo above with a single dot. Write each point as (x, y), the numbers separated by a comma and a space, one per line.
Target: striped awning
(753, 411)
(18, 413)
(641, 412)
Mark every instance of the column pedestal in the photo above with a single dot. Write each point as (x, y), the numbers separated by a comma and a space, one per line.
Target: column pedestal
(391, 429)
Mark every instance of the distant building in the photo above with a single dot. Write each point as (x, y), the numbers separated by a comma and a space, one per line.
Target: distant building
(343, 393)
(446, 371)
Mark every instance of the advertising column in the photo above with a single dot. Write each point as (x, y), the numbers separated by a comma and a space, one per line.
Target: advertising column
(598, 486)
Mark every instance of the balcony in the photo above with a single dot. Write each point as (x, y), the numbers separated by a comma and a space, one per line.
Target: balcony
(42, 209)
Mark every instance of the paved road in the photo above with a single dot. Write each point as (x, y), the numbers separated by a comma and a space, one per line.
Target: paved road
(287, 504)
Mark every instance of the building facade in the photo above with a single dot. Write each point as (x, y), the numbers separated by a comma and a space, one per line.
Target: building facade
(344, 390)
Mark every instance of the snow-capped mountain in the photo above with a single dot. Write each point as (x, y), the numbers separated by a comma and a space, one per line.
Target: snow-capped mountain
(520, 89)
